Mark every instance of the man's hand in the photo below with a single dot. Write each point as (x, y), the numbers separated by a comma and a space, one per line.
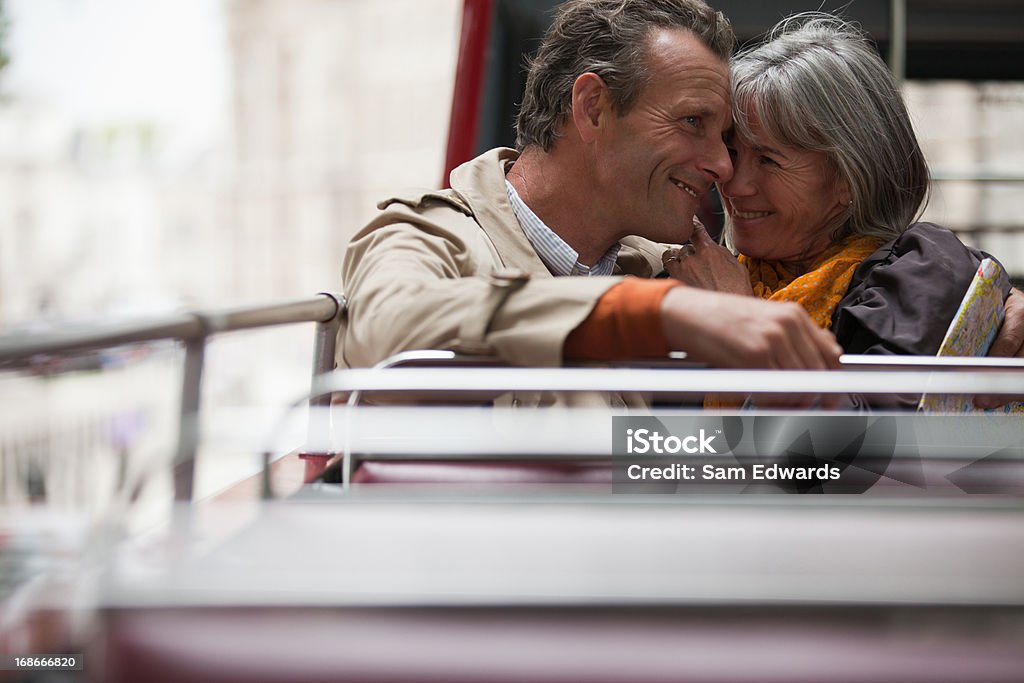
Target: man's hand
(707, 265)
(1008, 344)
(729, 331)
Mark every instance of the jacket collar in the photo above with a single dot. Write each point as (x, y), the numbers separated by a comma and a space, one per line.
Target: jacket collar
(481, 184)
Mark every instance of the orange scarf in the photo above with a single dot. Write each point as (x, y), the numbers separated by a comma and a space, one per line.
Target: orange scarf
(819, 290)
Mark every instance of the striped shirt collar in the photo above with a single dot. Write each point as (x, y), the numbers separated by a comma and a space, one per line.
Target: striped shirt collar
(559, 257)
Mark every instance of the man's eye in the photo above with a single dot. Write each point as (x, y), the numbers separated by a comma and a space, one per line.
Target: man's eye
(692, 120)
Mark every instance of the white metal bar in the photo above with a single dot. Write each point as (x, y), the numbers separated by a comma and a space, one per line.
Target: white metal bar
(947, 381)
(672, 550)
(853, 361)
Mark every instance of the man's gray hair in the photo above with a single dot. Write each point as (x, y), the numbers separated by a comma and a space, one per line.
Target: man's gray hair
(608, 38)
(817, 84)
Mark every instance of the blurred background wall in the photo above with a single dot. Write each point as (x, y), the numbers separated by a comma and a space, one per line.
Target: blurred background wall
(198, 152)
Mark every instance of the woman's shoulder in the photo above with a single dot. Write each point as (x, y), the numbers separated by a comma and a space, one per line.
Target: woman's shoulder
(903, 296)
(921, 244)
(924, 254)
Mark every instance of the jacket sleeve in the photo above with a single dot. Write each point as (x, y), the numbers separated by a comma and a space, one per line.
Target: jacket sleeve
(425, 277)
(904, 296)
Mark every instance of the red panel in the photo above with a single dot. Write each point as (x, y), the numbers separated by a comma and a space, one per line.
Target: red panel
(316, 463)
(469, 82)
(609, 645)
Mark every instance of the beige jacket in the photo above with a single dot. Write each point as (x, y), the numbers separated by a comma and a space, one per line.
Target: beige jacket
(452, 269)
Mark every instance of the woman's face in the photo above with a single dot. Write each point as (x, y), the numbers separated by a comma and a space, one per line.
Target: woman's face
(782, 200)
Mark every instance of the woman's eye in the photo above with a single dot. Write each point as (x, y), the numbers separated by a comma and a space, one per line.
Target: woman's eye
(767, 161)
(732, 152)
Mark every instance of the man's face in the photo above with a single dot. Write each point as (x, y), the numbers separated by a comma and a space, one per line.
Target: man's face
(654, 164)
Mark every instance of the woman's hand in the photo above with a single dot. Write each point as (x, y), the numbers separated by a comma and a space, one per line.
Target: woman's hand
(702, 263)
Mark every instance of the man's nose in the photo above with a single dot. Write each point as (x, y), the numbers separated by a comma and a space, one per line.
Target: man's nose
(741, 184)
(718, 164)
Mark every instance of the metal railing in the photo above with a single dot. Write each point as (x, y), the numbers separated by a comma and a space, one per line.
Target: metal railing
(415, 376)
(192, 328)
(447, 371)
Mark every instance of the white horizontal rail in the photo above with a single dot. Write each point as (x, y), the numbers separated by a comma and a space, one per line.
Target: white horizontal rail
(460, 432)
(948, 381)
(852, 362)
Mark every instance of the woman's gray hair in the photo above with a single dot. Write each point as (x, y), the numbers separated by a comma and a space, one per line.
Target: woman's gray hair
(818, 84)
(608, 38)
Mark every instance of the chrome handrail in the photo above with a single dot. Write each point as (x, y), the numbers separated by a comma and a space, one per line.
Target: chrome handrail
(977, 175)
(193, 328)
(184, 326)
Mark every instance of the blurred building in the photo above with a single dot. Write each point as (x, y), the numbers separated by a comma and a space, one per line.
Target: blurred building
(86, 217)
(334, 101)
(969, 135)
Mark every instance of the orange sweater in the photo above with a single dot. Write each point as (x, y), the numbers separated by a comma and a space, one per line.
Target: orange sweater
(625, 323)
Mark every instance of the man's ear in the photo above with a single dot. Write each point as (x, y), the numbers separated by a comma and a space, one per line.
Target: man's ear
(590, 105)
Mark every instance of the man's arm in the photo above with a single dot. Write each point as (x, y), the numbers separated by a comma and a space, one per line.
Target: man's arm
(412, 284)
(733, 331)
(649, 318)
(1009, 343)
(1010, 340)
